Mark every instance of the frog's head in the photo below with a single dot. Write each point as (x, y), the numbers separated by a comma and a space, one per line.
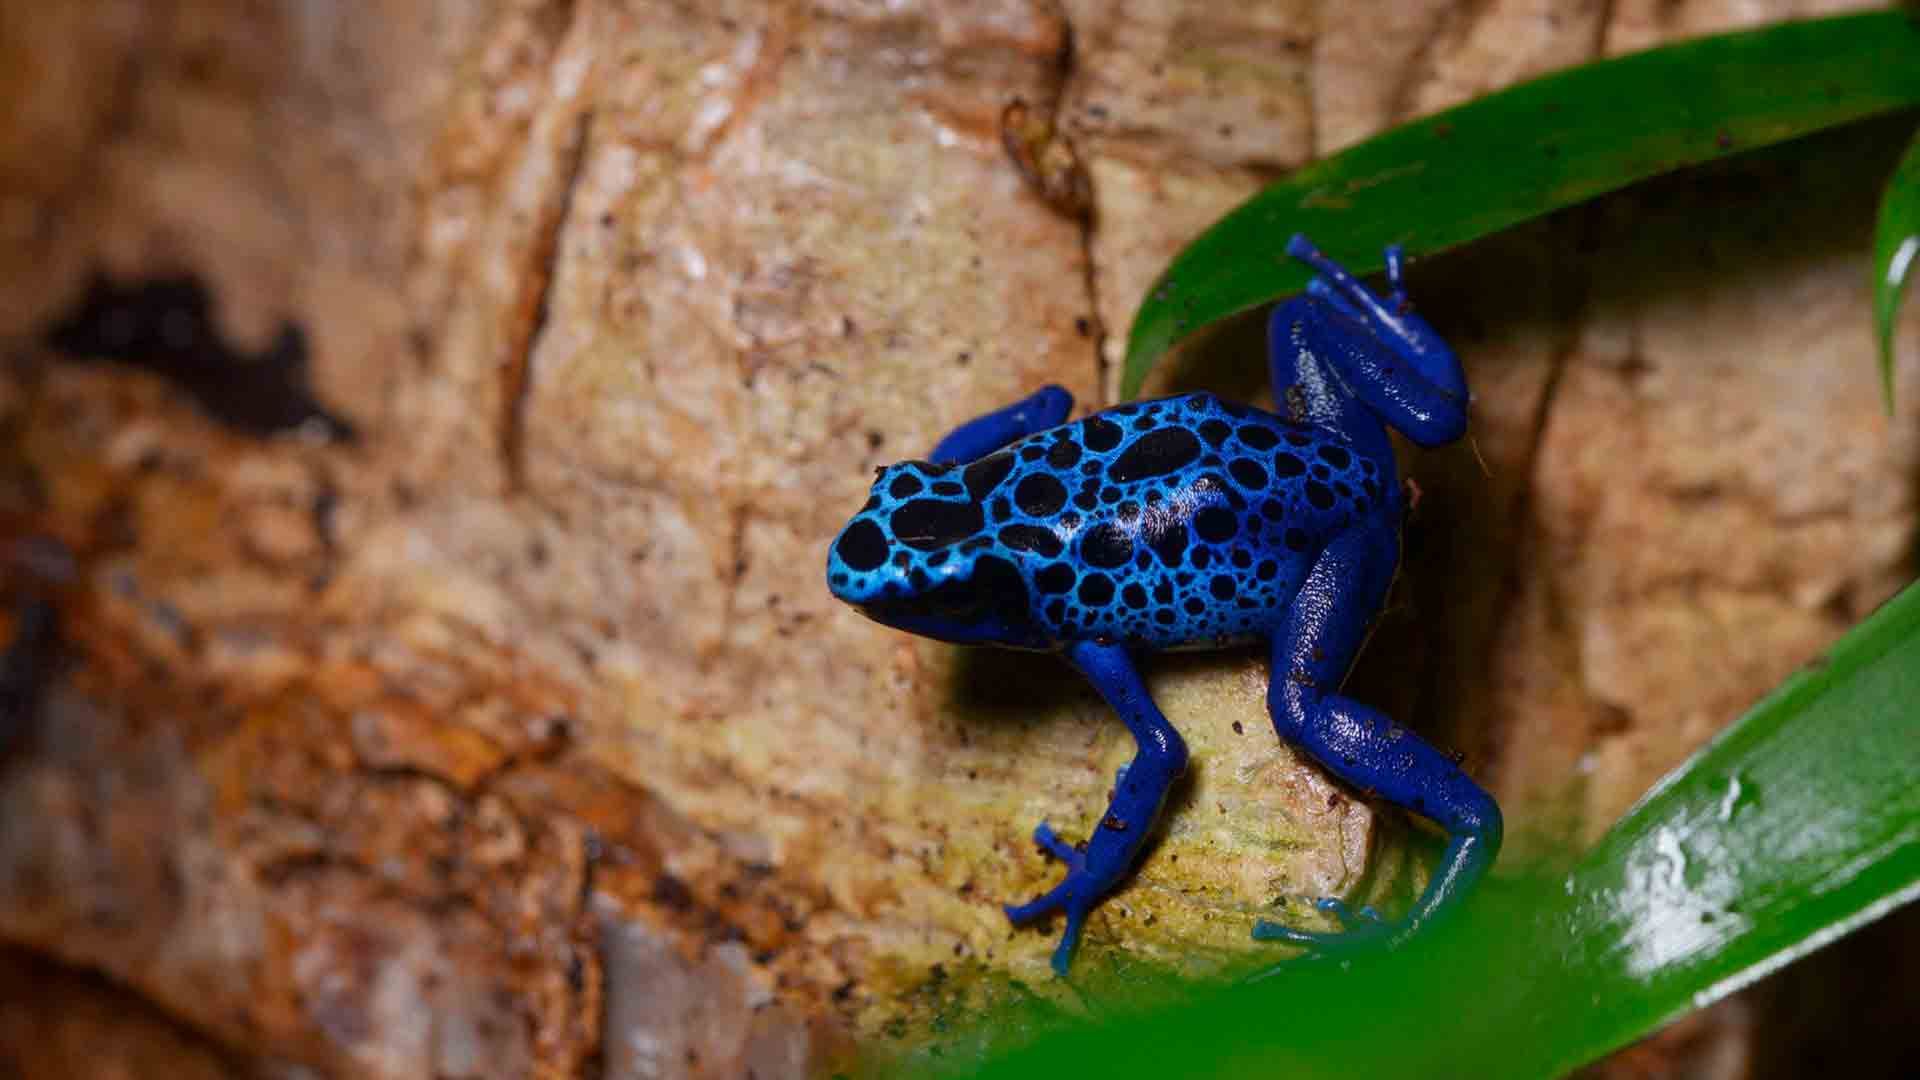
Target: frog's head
(918, 556)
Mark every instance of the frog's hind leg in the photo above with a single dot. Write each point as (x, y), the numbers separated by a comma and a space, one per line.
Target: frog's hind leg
(1392, 360)
(1044, 408)
(1138, 792)
(1311, 654)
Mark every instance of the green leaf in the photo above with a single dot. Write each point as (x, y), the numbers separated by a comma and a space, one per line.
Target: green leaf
(1529, 150)
(1799, 823)
(1896, 248)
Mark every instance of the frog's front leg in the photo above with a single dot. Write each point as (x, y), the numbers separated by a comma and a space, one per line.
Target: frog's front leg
(1044, 408)
(1311, 654)
(1138, 792)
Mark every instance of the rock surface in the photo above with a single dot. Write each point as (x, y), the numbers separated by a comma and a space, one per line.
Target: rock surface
(528, 703)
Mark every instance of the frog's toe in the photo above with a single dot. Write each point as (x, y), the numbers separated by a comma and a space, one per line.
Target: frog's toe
(1366, 936)
(1336, 907)
(1076, 895)
(1363, 925)
(1064, 897)
(1044, 904)
(1050, 842)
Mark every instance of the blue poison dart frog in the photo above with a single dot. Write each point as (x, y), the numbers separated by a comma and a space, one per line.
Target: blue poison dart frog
(1191, 522)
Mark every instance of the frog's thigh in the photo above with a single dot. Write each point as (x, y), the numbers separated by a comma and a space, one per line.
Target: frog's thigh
(1354, 741)
(1327, 622)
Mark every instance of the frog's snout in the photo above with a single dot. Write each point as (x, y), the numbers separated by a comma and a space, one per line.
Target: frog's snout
(895, 549)
(859, 564)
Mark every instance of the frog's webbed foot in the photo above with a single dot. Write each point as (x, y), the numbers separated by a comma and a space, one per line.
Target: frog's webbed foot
(1361, 930)
(1339, 909)
(1368, 938)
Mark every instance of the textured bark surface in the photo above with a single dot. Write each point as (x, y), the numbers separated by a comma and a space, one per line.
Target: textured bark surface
(518, 734)
(54, 1022)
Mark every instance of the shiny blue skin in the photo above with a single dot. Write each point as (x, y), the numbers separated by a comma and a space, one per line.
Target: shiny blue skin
(1192, 522)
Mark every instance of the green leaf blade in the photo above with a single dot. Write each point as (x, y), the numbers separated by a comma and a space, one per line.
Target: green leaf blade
(1796, 825)
(1896, 250)
(1473, 170)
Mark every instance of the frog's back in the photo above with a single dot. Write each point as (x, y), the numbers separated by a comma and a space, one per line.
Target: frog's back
(1186, 521)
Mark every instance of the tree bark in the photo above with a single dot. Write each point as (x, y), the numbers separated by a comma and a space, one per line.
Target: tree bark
(464, 698)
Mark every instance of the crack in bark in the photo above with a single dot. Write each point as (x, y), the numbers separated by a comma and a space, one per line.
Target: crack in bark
(1525, 540)
(1311, 88)
(1600, 27)
(756, 82)
(1557, 363)
(733, 573)
(536, 297)
(1068, 70)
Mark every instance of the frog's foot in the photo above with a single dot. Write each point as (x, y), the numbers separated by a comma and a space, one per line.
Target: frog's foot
(1318, 288)
(1075, 895)
(1364, 932)
(1337, 286)
(1364, 928)
(1339, 909)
